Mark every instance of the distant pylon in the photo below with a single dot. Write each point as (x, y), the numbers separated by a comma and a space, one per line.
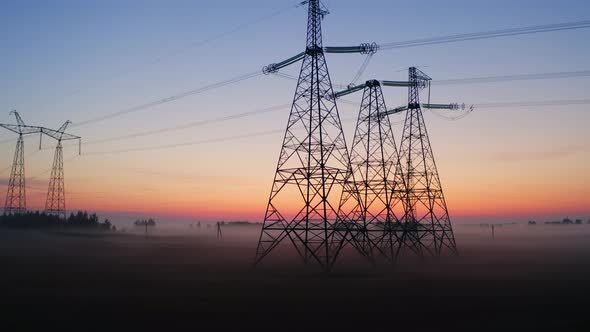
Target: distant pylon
(16, 198)
(375, 178)
(219, 234)
(56, 197)
(313, 163)
(55, 204)
(427, 223)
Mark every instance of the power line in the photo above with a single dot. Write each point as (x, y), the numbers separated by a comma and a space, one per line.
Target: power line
(176, 145)
(287, 76)
(192, 124)
(266, 133)
(410, 43)
(228, 32)
(556, 102)
(192, 45)
(295, 78)
(362, 68)
(403, 44)
(349, 102)
(452, 117)
(486, 35)
(171, 98)
(49, 169)
(353, 103)
(190, 143)
(25, 157)
(540, 103)
(486, 79)
(518, 77)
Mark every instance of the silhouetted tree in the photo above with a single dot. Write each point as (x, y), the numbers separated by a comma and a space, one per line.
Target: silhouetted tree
(145, 223)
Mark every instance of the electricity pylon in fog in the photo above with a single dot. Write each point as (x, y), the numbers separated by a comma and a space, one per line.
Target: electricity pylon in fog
(388, 184)
(313, 162)
(55, 203)
(16, 197)
(427, 222)
(375, 178)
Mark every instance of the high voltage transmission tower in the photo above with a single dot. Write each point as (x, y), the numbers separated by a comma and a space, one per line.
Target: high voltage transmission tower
(313, 162)
(375, 179)
(378, 176)
(370, 201)
(426, 216)
(55, 203)
(16, 197)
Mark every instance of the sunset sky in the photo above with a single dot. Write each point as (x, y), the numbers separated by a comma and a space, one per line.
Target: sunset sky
(80, 60)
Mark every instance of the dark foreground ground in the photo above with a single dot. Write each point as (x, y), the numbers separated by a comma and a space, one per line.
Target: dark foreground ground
(524, 279)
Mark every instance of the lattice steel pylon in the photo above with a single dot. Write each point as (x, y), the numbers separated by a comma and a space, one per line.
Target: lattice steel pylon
(376, 178)
(313, 163)
(55, 203)
(56, 197)
(16, 198)
(427, 224)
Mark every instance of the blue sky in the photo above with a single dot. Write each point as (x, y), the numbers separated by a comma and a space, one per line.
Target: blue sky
(80, 59)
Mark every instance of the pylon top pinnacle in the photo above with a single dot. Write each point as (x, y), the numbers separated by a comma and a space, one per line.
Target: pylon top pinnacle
(314, 26)
(372, 83)
(418, 75)
(20, 127)
(19, 120)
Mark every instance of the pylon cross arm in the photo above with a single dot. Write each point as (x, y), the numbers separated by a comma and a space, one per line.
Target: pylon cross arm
(58, 135)
(24, 130)
(274, 67)
(364, 48)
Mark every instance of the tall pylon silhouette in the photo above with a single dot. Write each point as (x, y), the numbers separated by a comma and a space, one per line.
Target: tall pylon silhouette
(16, 197)
(427, 226)
(55, 204)
(313, 163)
(56, 198)
(376, 178)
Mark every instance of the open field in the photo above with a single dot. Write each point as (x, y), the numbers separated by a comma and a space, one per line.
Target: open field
(527, 277)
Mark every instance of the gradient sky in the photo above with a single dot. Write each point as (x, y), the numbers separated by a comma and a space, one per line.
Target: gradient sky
(76, 60)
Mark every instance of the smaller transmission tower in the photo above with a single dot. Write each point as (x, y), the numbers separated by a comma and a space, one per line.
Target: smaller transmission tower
(16, 198)
(375, 180)
(378, 178)
(56, 197)
(427, 223)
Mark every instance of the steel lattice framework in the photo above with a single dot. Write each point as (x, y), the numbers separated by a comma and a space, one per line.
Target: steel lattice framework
(376, 178)
(427, 226)
(16, 195)
(16, 198)
(323, 199)
(381, 218)
(55, 203)
(313, 163)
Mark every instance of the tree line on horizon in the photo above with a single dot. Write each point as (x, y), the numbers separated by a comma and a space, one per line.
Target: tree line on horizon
(42, 220)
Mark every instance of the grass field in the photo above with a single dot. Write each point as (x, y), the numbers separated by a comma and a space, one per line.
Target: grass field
(525, 278)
